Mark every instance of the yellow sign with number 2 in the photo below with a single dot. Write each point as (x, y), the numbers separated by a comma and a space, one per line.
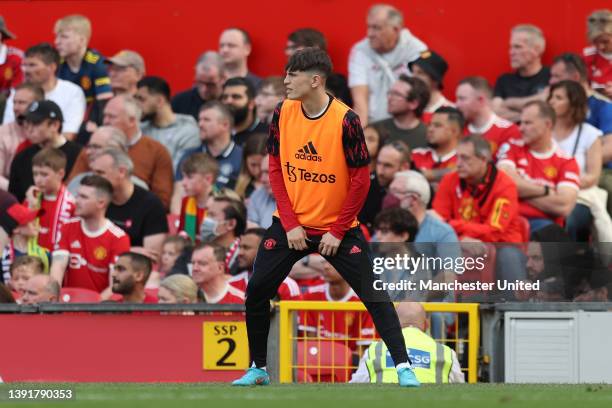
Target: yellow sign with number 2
(225, 346)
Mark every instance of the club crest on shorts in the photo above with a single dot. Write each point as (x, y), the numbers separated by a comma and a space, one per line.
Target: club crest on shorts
(269, 243)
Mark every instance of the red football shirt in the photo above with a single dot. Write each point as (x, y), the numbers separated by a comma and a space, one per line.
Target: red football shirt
(337, 325)
(554, 169)
(56, 212)
(91, 253)
(288, 290)
(427, 159)
(599, 68)
(497, 131)
(230, 295)
(488, 214)
(11, 74)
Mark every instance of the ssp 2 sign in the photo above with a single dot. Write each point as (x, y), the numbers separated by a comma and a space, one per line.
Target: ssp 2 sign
(225, 346)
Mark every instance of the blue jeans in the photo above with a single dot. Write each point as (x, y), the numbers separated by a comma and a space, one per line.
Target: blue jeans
(578, 223)
(538, 223)
(510, 265)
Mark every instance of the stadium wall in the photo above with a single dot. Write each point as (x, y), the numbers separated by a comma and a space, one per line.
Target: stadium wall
(472, 35)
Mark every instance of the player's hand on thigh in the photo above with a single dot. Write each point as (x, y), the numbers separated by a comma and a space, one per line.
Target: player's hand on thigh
(329, 245)
(296, 239)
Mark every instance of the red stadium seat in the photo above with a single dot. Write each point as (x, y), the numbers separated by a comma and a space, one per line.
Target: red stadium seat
(525, 229)
(79, 295)
(323, 361)
(173, 224)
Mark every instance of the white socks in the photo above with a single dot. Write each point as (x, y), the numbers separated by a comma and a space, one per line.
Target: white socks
(261, 368)
(402, 365)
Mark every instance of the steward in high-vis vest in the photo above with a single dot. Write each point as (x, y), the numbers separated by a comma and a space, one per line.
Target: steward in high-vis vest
(432, 362)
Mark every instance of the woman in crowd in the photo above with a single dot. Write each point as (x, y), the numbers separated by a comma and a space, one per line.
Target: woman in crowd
(582, 141)
(253, 152)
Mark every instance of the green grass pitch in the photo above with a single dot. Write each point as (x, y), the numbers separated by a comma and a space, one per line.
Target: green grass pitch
(320, 396)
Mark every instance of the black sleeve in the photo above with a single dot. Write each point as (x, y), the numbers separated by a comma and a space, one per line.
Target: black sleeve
(500, 86)
(155, 220)
(273, 144)
(21, 177)
(353, 141)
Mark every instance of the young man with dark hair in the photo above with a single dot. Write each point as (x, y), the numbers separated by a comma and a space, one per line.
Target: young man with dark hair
(44, 129)
(318, 200)
(443, 133)
(336, 83)
(90, 243)
(40, 67)
(406, 102)
(177, 132)
(396, 225)
(13, 135)
(473, 97)
(239, 96)
(129, 277)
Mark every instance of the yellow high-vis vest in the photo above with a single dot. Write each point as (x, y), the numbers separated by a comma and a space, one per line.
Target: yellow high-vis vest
(431, 361)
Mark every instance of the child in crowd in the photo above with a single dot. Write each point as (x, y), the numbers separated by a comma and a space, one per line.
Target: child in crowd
(22, 269)
(172, 248)
(23, 242)
(199, 175)
(50, 194)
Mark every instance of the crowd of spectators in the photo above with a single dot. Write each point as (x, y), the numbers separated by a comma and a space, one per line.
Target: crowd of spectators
(111, 182)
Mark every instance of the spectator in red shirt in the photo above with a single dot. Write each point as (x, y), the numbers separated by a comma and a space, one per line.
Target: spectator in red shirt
(547, 179)
(208, 271)
(481, 204)
(477, 200)
(249, 242)
(598, 56)
(337, 325)
(89, 244)
(129, 277)
(443, 133)
(11, 60)
(474, 101)
(50, 194)
(40, 289)
(13, 134)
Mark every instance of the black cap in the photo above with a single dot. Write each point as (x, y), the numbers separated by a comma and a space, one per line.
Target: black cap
(41, 110)
(432, 63)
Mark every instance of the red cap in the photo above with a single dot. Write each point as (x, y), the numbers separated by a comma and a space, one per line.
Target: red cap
(22, 214)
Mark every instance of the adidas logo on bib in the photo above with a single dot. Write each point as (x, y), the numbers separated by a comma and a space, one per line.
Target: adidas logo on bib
(309, 153)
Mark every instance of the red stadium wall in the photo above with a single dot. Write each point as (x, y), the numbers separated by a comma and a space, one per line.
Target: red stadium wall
(81, 347)
(471, 34)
